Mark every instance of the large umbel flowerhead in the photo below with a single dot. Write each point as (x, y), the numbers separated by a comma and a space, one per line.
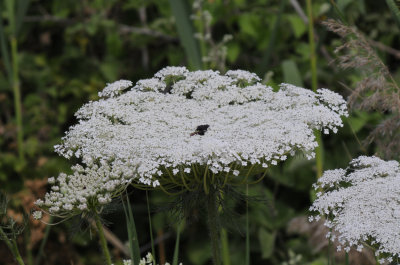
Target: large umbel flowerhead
(362, 205)
(187, 130)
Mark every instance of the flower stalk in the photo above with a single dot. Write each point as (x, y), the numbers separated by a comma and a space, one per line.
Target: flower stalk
(213, 225)
(103, 241)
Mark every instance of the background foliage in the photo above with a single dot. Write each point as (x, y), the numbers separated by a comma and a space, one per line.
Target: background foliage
(67, 52)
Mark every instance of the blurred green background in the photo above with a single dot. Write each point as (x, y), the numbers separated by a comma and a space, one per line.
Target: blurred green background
(57, 55)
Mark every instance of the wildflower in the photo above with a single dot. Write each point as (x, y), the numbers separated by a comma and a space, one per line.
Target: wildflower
(361, 204)
(185, 130)
(37, 215)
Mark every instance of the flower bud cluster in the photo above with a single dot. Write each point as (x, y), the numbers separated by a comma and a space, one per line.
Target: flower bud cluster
(147, 131)
(361, 204)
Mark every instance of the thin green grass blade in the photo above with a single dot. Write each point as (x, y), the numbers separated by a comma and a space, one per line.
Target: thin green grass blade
(338, 12)
(40, 253)
(395, 10)
(134, 249)
(176, 250)
(186, 33)
(5, 55)
(129, 230)
(247, 262)
(22, 8)
(263, 66)
(151, 228)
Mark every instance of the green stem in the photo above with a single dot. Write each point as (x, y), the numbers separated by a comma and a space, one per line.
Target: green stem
(176, 250)
(226, 258)
(12, 245)
(16, 253)
(151, 229)
(247, 228)
(201, 28)
(314, 84)
(44, 241)
(103, 241)
(17, 96)
(213, 225)
(347, 258)
(319, 153)
(28, 252)
(313, 57)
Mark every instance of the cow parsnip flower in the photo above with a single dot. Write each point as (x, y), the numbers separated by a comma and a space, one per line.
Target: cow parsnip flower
(182, 130)
(361, 203)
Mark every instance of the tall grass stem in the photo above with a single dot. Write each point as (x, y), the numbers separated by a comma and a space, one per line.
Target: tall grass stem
(314, 84)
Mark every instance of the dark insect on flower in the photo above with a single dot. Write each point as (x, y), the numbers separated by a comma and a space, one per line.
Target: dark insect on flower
(200, 130)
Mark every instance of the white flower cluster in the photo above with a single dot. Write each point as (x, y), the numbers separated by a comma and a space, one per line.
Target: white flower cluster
(116, 88)
(362, 204)
(86, 186)
(37, 215)
(152, 130)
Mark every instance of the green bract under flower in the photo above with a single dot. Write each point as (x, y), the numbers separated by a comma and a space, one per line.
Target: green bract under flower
(149, 134)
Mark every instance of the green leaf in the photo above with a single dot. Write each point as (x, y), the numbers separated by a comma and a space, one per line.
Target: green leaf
(267, 242)
(262, 68)
(248, 25)
(291, 73)
(233, 51)
(186, 33)
(298, 26)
